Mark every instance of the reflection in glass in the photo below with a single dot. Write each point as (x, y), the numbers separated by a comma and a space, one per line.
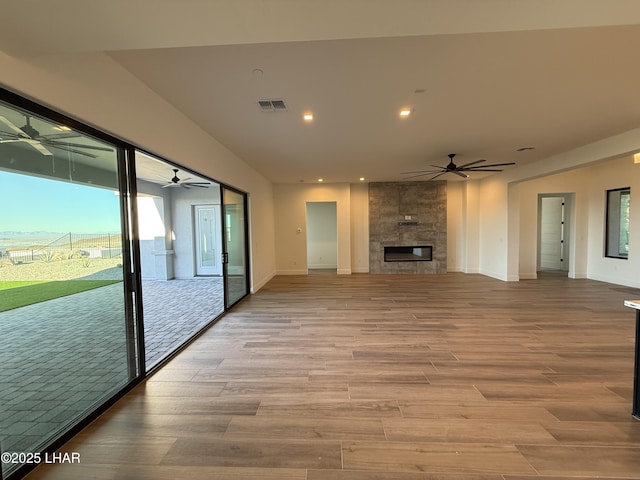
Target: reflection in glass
(63, 328)
(179, 235)
(235, 245)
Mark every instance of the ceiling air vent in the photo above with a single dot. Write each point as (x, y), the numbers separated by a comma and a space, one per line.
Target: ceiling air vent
(272, 105)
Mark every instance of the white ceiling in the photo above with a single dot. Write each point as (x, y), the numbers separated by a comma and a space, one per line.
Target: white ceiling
(496, 74)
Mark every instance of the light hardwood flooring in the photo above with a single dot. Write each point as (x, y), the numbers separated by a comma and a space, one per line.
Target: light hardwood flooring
(387, 377)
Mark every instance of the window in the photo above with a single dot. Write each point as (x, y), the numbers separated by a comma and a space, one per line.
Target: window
(617, 239)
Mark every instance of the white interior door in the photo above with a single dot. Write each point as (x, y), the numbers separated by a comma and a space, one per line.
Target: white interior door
(208, 242)
(552, 233)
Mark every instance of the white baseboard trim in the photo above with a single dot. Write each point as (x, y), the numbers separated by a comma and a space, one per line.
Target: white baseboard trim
(615, 280)
(317, 266)
(497, 276)
(360, 270)
(257, 286)
(344, 271)
(293, 272)
(577, 276)
(528, 276)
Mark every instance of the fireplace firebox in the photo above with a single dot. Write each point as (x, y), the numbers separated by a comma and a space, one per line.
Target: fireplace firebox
(410, 253)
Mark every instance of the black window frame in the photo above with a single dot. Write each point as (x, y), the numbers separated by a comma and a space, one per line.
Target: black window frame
(612, 223)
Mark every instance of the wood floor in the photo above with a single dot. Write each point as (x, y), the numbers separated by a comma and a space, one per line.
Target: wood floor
(387, 377)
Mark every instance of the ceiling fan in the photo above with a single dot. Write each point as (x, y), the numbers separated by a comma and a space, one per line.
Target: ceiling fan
(10, 133)
(458, 170)
(184, 183)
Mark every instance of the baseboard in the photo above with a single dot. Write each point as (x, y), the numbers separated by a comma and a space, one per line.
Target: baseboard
(615, 281)
(577, 276)
(528, 276)
(360, 270)
(257, 286)
(344, 271)
(497, 276)
(293, 272)
(317, 266)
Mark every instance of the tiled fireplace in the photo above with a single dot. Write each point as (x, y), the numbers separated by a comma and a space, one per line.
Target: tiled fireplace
(408, 227)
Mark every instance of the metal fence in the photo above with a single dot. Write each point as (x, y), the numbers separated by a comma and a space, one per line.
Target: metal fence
(70, 245)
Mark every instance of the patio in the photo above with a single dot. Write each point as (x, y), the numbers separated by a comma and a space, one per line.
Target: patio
(56, 366)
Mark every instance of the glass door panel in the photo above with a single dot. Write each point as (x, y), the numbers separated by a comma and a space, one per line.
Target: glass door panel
(208, 251)
(65, 336)
(179, 233)
(235, 245)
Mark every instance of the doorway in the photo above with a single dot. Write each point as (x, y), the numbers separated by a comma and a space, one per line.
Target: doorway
(322, 237)
(208, 243)
(553, 232)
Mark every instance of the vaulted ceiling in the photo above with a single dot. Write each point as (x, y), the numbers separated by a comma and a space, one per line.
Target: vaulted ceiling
(482, 78)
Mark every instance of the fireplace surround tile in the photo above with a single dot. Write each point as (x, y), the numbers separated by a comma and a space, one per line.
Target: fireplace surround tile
(389, 204)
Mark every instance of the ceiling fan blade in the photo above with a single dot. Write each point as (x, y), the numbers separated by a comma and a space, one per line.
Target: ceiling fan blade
(34, 143)
(72, 150)
(79, 145)
(422, 175)
(11, 134)
(460, 174)
(471, 163)
(436, 176)
(13, 128)
(60, 136)
(492, 165)
(482, 170)
(199, 185)
(423, 171)
(184, 180)
(38, 146)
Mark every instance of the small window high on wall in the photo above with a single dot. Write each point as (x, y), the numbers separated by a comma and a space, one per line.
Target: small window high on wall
(617, 235)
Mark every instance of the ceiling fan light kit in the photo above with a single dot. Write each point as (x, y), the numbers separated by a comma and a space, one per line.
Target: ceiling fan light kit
(459, 170)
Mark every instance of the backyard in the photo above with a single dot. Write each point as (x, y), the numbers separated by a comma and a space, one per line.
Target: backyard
(47, 278)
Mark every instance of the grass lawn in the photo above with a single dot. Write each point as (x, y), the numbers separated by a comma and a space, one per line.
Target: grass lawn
(15, 294)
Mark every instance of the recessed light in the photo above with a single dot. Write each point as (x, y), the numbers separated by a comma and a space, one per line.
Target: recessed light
(321, 180)
(362, 179)
(405, 112)
(308, 117)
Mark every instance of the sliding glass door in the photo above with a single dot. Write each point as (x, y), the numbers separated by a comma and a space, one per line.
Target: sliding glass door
(67, 343)
(235, 245)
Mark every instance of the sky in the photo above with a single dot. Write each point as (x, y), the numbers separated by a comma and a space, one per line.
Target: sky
(29, 204)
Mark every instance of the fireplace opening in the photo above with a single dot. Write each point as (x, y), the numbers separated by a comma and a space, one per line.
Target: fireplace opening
(410, 253)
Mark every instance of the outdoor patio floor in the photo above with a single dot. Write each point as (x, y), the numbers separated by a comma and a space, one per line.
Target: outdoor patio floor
(60, 357)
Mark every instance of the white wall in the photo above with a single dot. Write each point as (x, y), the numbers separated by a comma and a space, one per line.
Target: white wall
(575, 182)
(322, 235)
(290, 202)
(615, 174)
(98, 91)
(587, 221)
(455, 227)
(182, 227)
(359, 228)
